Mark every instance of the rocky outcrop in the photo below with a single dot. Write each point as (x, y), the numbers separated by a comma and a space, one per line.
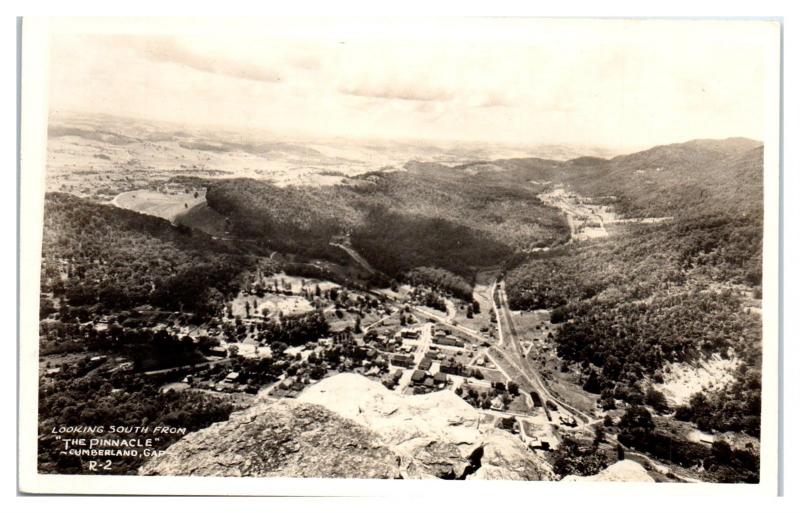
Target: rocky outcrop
(436, 435)
(280, 439)
(506, 457)
(350, 426)
(622, 471)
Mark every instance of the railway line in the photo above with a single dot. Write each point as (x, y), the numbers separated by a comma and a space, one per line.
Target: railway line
(510, 350)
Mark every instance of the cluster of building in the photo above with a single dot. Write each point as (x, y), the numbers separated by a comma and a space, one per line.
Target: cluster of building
(423, 381)
(393, 343)
(232, 382)
(452, 366)
(444, 337)
(392, 379)
(402, 360)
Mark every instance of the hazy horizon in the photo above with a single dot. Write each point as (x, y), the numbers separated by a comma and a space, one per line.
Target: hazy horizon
(619, 85)
(256, 135)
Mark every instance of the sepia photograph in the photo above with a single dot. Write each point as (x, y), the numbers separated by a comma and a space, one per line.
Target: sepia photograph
(517, 249)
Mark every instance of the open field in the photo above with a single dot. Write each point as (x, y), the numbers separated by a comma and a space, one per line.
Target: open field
(348, 320)
(492, 376)
(292, 303)
(482, 294)
(289, 305)
(100, 156)
(297, 283)
(520, 404)
(532, 326)
(586, 220)
(166, 205)
(562, 387)
(250, 349)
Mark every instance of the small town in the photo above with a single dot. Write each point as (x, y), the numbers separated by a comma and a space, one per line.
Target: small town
(384, 335)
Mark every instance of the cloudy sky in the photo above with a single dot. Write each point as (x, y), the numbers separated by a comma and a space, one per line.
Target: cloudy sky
(522, 81)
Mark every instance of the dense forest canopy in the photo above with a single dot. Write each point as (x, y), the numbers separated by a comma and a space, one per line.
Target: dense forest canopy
(421, 217)
(675, 291)
(117, 401)
(98, 254)
(441, 279)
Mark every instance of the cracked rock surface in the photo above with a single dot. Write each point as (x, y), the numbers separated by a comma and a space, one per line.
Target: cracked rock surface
(434, 434)
(281, 439)
(350, 426)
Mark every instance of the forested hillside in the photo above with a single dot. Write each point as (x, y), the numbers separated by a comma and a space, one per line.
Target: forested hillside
(643, 260)
(699, 177)
(97, 254)
(292, 219)
(676, 291)
(441, 279)
(122, 401)
(428, 216)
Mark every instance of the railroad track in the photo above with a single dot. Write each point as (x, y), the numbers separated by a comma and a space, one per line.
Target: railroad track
(518, 360)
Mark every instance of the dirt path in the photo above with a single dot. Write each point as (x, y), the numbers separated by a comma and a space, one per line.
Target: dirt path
(376, 323)
(444, 320)
(187, 367)
(355, 256)
(451, 309)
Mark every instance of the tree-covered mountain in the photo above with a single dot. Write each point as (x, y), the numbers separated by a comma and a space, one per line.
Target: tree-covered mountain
(98, 254)
(427, 216)
(676, 291)
(702, 176)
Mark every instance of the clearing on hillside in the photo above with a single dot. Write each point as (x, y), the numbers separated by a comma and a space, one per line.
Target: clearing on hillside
(166, 205)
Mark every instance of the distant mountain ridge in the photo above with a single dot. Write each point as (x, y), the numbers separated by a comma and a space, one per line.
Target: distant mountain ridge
(482, 212)
(702, 175)
(687, 153)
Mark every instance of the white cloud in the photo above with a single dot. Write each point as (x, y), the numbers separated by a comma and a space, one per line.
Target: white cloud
(172, 51)
(538, 81)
